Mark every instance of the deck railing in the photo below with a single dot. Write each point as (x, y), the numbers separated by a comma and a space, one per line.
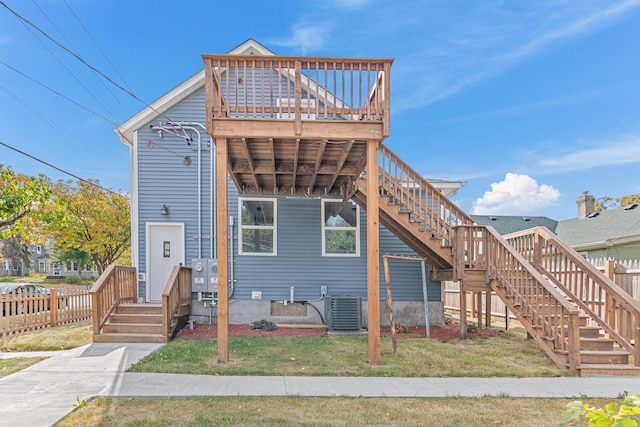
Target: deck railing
(610, 307)
(116, 285)
(425, 203)
(539, 306)
(176, 299)
(297, 88)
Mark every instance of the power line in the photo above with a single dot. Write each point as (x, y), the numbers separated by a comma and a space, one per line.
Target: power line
(76, 50)
(79, 58)
(58, 93)
(59, 169)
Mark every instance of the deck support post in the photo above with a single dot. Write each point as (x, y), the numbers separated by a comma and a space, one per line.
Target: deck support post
(373, 252)
(222, 224)
(463, 312)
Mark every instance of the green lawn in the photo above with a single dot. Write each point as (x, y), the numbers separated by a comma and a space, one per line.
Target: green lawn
(507, 355)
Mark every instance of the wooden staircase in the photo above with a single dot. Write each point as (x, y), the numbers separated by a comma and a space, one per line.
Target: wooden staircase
(118, 318)
(133, 323)
(582, 320)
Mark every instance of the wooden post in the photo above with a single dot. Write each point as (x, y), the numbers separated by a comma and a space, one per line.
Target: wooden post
(463, 313)
(387, 279)
(487, 313)
(53, 307)
(373, 253)
(610, 272)
(479, 308)
(222, 222)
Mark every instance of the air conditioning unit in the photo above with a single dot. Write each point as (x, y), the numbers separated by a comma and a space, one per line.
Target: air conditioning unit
(343, 313)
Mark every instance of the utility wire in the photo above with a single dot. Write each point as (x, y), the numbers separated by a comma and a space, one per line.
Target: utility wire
(107, 88)
(79, 58)
(58, 93)
(59, 169)
(96, 44)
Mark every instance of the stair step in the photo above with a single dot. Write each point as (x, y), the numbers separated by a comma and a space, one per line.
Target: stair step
(137, 328)
(589, 332)
(147, 308)
(122, 337)
(604, 357)
(135, 318)
(603, 369)
(596, 344)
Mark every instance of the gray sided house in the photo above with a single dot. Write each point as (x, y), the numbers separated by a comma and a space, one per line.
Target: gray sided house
(282, 248)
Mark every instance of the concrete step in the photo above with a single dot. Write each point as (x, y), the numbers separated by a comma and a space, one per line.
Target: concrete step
(122, 337)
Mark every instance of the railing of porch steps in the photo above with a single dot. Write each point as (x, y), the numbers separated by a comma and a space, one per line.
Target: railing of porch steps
(548, 316)
(116, 285)
(610, 307)
(425, 203)
(176, 299)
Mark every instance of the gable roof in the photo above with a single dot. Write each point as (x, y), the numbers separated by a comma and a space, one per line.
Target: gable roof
(505, 224)
(607, 228)
(174, 96)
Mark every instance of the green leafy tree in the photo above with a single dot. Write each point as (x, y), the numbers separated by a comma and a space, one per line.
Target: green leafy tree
(93, 220)
(607, 202)
(74, 255)
(24, 203)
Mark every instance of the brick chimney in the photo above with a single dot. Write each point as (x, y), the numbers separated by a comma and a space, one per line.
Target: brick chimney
(586, 204)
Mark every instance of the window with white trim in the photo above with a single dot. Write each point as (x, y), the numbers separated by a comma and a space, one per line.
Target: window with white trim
(340, 228)
(258, 226)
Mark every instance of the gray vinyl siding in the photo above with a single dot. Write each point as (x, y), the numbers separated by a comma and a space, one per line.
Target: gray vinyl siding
(164, 179)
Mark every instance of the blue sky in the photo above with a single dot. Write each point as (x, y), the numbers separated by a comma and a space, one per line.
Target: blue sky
(530, 103)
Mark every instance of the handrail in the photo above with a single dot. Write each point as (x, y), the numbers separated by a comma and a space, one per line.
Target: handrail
(426, 203)
(176, 299)
(117, 284)
(606, 303)
(296, 87)
(537, 304)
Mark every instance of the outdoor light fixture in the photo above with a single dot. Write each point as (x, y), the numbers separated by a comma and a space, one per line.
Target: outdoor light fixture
(164, 210)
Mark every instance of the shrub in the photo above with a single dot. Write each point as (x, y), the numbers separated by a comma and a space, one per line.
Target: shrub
(626, 414)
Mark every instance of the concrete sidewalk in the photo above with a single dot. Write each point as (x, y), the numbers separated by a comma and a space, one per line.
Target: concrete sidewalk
(44, 393)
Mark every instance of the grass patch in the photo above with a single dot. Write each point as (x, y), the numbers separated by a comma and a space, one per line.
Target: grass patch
(304, 411)
(9, 366)
(63, 337)
(507, 355)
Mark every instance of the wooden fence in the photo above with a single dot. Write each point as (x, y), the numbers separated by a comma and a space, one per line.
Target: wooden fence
(28, 311)
(626, 274)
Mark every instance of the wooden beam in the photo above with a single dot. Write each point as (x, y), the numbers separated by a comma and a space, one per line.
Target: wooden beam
(222, 223)
(296, 153)
(373, 252)
(252, 169)
(318, 163)
(346, 150)
(273, 162)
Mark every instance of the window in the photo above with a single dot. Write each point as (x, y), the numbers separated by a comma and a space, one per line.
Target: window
(258, 226)
(340, 228)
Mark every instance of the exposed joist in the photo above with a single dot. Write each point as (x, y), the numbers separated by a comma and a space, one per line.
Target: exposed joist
(319, 155)
(296, 153)
(273, 163)
(346, 150)
(252, 170)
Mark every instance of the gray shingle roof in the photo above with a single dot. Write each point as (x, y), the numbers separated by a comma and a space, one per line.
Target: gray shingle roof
(510, 224)
(603, 229)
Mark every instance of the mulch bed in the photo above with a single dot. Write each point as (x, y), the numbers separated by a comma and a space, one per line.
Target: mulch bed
(452, 330)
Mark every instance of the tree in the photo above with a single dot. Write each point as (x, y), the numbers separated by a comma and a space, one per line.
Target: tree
(74, 255)
(607, 202)
(23, 202)
(91, 219)
(17, 254)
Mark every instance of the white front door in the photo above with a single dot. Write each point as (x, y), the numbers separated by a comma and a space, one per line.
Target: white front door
(165, 250)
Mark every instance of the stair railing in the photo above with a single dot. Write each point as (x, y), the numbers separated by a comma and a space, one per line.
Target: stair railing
(176, 299)
(609, 306)
(116, 285)
(549, 318)
(425, 203)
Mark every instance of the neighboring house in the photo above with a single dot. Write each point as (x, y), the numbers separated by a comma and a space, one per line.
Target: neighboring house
(610, 234)
(42, 262)
(283, 248)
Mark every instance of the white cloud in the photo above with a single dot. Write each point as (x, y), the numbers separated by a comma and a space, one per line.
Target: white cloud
(305, 38)
(350, 4)
(610, 154)
(515, 195)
